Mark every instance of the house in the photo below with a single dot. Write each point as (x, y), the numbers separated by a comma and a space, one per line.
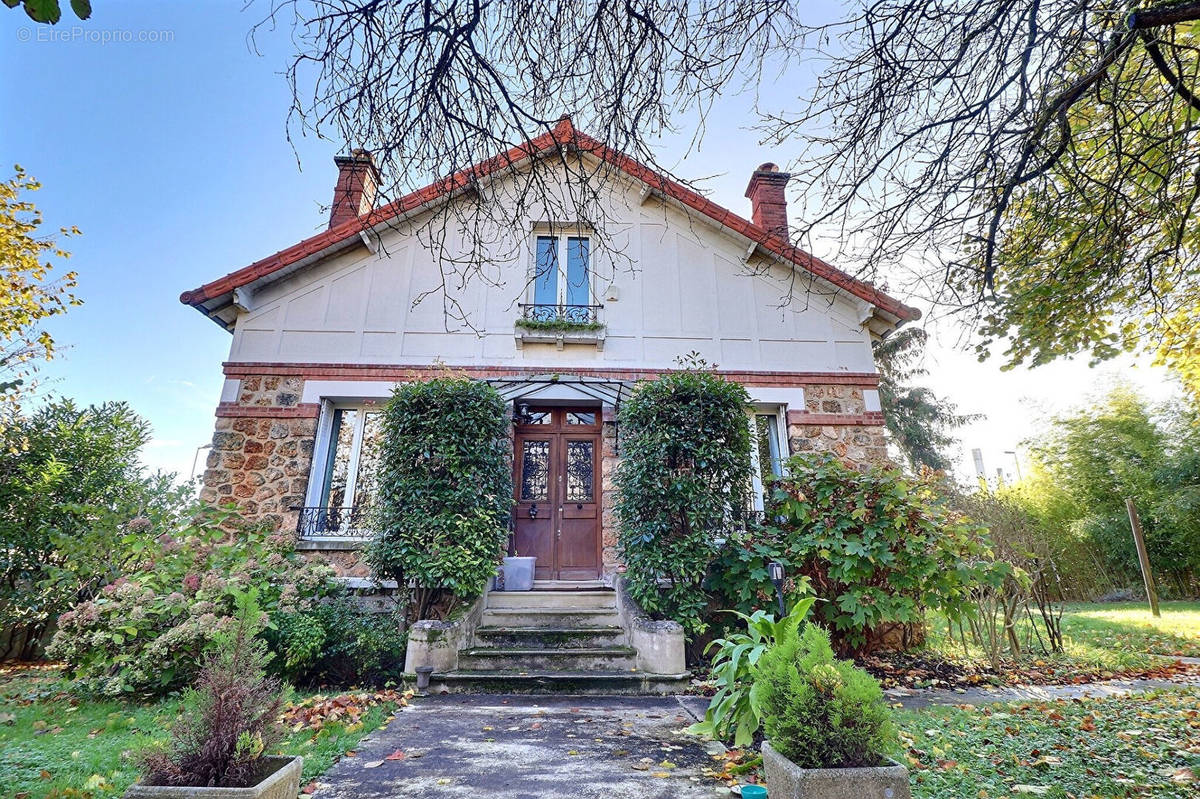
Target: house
(323, 330)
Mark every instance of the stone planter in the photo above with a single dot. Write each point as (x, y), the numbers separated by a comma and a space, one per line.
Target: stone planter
(786, 780)
(282, 783)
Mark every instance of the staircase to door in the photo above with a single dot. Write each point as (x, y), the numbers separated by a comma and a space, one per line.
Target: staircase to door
(553, 641)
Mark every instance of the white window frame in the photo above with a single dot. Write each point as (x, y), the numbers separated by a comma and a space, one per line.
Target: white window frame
(561, 253)
(324, 449)
(781, 445)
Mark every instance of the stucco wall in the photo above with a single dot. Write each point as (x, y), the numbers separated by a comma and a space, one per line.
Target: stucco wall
(669, 284)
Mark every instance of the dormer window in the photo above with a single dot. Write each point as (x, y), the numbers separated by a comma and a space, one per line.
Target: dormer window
(562, 281)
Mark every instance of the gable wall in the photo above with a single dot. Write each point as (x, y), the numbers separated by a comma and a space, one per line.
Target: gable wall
(680, 286)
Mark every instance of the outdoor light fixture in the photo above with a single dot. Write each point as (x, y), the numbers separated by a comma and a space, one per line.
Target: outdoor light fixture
(523, 412)
(775, 572)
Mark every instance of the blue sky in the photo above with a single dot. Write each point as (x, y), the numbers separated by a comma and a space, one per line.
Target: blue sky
(170, 155)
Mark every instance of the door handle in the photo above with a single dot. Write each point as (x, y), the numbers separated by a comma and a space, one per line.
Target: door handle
(533, 511)
(578, 506)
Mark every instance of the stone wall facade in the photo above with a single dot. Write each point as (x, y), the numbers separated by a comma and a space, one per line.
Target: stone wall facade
(610, 554)
(835, 419)
(262, 452)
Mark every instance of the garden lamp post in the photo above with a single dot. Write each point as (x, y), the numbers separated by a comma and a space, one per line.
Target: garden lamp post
(775, 572)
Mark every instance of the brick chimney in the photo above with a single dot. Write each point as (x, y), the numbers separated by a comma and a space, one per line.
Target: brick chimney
(354, 194)
(767, 200)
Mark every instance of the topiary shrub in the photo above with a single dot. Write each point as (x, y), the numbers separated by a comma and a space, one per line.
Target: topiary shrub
(820, 712)
(683, 480)
(879, 547)
(445, 492)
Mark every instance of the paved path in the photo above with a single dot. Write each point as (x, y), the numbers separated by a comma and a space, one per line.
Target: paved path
(529, 747)
(548, 747)
(918, 699)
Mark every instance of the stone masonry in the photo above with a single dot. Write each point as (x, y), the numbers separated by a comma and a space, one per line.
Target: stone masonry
(262, 450)
(835, 419)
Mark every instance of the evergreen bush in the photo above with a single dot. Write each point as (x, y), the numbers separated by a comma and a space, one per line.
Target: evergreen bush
(820, 712)
(683, 481)
(230, 718)
(445, 491)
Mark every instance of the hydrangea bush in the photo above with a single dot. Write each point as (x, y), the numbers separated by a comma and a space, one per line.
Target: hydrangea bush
(148, 631)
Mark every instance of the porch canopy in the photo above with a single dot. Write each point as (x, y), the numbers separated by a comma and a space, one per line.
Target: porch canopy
(560, 388)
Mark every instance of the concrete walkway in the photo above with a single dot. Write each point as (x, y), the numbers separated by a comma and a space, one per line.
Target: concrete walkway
(573, 747)
(918, 699)
(529, 747)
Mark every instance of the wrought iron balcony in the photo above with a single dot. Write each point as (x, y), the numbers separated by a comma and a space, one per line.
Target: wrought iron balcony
(550, 313)
(322, 522)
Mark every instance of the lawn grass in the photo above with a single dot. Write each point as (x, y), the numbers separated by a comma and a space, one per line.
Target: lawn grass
(1142, 745)
(54, 745)
(1111, 637)
(1129, 626)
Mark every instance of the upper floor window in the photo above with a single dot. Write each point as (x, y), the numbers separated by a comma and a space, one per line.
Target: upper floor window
(562, 271)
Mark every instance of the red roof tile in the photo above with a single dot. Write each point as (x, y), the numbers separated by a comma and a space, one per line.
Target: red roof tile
(564, 134)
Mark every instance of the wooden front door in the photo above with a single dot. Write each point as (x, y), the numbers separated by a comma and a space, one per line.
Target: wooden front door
(556, 479)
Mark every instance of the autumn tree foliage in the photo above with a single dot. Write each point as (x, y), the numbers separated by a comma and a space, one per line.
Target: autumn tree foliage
(29, 292)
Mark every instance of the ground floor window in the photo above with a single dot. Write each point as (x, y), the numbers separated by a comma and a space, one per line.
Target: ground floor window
(346, 471)
(768, 449)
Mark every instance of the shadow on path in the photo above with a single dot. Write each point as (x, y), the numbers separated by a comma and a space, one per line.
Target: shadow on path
(529, 747)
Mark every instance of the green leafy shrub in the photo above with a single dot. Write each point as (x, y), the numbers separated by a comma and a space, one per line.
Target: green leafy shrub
(337, 642)
(445, 491)
(733, 711)
(738, 578)
(147, 632)
(820, 712)
(78, 511)
(231, 716)
(880, 548)
(683, 481)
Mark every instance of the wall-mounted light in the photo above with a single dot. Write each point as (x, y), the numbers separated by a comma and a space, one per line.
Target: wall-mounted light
(522, 414)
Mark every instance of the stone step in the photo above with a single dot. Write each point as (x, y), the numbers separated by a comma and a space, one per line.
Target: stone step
(549, 637)
(552, 599)
(559, 618)
(575, 659)
(593, 683)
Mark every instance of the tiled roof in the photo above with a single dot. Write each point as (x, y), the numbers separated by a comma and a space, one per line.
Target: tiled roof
(564, 134)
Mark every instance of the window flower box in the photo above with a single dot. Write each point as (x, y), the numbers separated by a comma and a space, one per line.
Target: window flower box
(559, 325)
